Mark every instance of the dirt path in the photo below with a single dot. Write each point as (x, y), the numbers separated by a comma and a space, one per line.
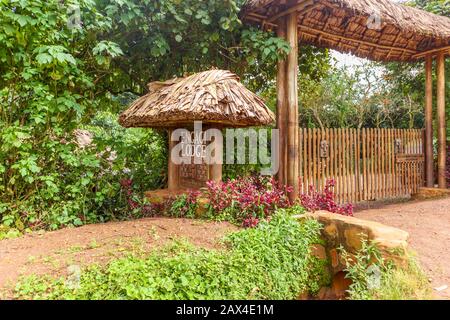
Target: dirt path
(54, 252)
(428, 224)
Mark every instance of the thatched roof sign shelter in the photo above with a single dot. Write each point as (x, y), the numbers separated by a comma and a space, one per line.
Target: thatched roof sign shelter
(217, 99)
(214, 97)
(379, 30)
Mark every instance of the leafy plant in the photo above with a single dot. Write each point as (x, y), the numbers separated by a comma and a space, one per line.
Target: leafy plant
(271, 261)
(375, 278)
(185, 205)
(315, 200)
(246, 200)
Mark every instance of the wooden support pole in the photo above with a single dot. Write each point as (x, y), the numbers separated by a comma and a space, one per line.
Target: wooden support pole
(282, 109)
(429, 159)
(292, 102)
(442, 143)
(173, 169)
(216, 168)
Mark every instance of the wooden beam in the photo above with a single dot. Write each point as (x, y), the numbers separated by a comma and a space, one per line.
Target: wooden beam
(282, 109)
(429, 159)
(292, 102)
(442, 134)
(305, 5)
(334, 37)
(443, 50)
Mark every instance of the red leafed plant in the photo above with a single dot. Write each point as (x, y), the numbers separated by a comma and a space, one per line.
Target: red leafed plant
(315, 200)
(135, 205)
(247, 200)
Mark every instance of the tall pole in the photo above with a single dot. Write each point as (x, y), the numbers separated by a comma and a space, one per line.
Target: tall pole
(429, 159)
(442, 134)
(292, 101)
(282, 109)
(173, 169)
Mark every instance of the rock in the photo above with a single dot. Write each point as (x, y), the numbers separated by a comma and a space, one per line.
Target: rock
(431, 193)
(441, 288)
(202, 208)
(350, 232)
(340, 285)
(318, 251)
(334, 256)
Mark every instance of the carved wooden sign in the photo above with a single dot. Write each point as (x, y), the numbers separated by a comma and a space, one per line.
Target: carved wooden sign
(196, 174)
(324, 149)
(403, 157)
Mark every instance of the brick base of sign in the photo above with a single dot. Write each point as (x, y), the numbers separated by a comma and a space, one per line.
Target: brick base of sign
(431, 193)
(161, 195)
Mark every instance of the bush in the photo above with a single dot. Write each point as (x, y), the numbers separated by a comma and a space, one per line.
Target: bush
(315, 200)
(185, 205)
(246, 200)
(374, 278)
(271, 261)
(83, 185)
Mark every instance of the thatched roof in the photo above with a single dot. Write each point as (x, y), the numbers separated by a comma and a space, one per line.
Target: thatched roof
(350, 26)
(214, 96)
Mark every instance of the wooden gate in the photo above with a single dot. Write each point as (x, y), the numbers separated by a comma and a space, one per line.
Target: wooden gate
(366, 164)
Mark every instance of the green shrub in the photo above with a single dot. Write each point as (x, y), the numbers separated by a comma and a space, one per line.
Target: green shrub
(271, 261)
(374, 278)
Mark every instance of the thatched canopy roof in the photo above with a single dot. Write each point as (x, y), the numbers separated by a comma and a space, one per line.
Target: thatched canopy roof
(351, 26)
(215, 97)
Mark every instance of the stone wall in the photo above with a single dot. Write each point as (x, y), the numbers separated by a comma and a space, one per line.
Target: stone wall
(348, 233)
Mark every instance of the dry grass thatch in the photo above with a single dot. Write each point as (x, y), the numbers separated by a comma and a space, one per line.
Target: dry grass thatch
(343, 25)
(215, 97)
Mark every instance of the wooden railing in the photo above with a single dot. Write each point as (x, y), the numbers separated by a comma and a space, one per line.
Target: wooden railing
(366, 164)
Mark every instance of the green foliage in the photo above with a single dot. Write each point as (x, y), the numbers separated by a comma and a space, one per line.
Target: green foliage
(271, 261)
(362, 96)
(137, 153)
(184, 206)
(374, 278)
(63, 64)
(166, 38)
(48, 71)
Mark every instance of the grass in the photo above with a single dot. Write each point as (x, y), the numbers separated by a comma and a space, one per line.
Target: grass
(375, 278)
(408, 283)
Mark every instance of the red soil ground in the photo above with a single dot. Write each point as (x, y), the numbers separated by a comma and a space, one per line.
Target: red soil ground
(53, 252)
(428, 224)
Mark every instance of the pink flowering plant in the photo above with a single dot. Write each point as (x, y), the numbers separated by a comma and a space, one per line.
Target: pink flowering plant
(246, 200)
(324, 200)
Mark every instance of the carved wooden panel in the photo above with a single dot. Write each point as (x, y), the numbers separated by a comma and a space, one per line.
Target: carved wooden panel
(194, 175)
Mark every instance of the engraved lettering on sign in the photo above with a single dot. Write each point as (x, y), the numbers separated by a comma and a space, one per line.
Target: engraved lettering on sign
(196, 173)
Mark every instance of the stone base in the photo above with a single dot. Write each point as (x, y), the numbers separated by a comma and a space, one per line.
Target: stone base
(431, 193)
(161, 195)
(348, 233)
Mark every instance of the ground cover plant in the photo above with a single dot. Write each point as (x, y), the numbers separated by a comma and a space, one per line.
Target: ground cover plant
(375, 278)
(271, 261)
